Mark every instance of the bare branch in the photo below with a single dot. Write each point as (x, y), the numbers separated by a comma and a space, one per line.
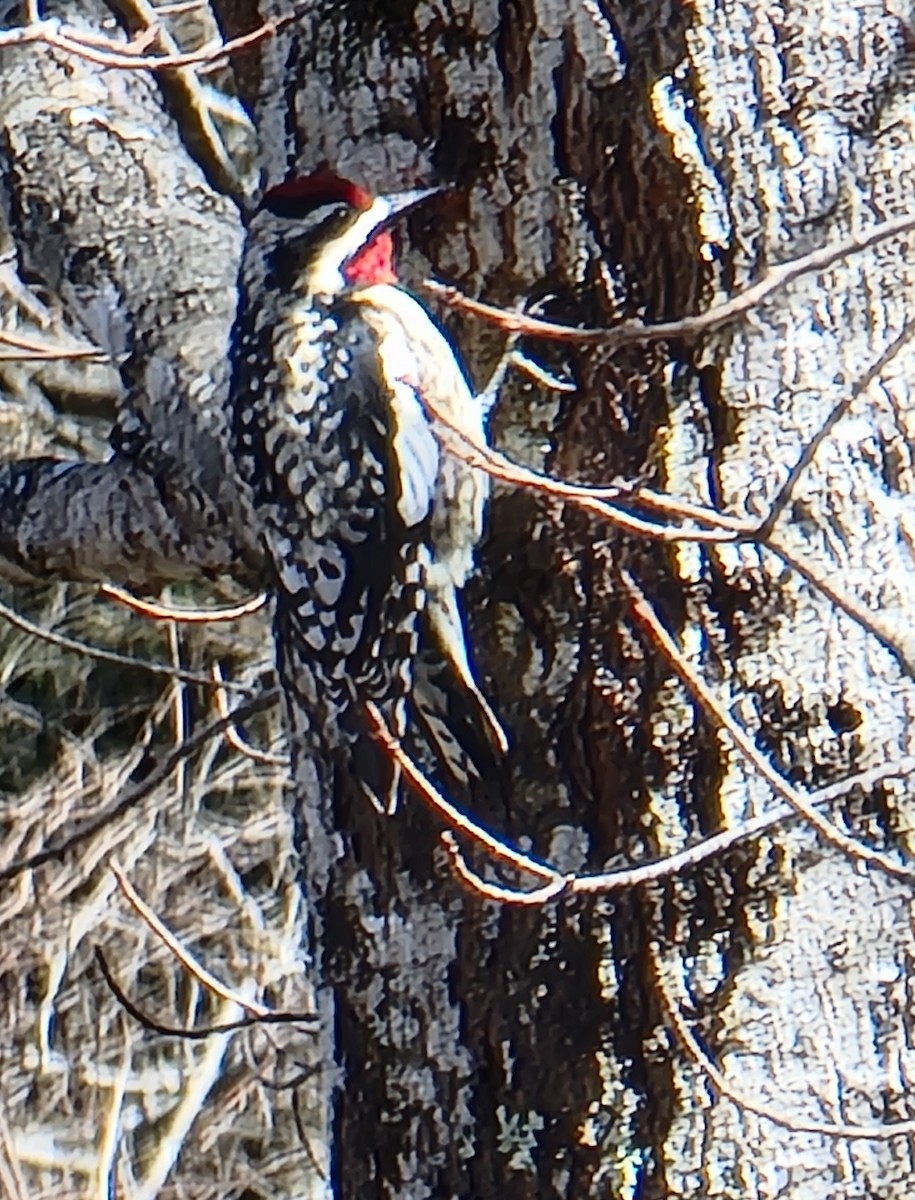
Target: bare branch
(104, 655)
(748, 1103)
(786, 491)
(202, 1032)
(233, 737)
(186, 616)
(629, 333)
(870, 621)
(32, 348)
(189, 100)
(498, 892)
(617, 878)
(131, 56)
(709, 704)
(453, 816)
(191, 964)
(592, 499)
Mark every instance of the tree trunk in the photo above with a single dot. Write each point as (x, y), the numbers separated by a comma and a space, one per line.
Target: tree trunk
(643, 161)
(638, 163)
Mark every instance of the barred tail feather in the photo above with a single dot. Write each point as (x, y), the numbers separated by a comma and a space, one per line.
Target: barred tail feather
(465, 736)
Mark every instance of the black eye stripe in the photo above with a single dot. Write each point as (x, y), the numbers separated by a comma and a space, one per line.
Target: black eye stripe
(296, 208)
(310, 231)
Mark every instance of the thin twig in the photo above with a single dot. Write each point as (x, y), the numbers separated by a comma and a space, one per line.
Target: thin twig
(119, 55)
(233, 737)
(671, 506)
(185, 616)
(124, 660)
(198, 1033)
(36, 348)
(179, 707)
(10, 1171)
(620, 878)
(538, 373)
(133, 795)
(181, 6)
(188, 98)
(749, 1103)
(871, 622)
(176, 947)
(637, 332)
(500, 892)
(783, 496)
(719, 716)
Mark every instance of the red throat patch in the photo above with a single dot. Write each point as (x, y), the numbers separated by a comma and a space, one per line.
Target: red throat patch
(374, 263)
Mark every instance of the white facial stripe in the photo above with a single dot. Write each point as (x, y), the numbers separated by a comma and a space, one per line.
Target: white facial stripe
(326, 276)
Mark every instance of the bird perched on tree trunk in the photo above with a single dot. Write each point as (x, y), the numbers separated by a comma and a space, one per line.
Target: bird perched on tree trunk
(369, 522)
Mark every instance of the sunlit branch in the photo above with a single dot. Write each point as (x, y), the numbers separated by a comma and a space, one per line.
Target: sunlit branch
(132, 56)
(617, 878)
(629, 333)
(452, 815)
(591, 499)
(709, 704)
(186, 616)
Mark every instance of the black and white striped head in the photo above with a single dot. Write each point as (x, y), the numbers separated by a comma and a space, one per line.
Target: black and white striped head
(328, 235)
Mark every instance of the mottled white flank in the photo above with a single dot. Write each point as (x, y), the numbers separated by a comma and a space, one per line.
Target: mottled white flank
(409, 338)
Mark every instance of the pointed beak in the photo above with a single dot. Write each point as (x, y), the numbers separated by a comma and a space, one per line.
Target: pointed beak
(400, 202)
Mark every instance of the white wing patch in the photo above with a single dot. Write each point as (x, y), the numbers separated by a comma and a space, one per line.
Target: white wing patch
(416, 453)
(403, 329)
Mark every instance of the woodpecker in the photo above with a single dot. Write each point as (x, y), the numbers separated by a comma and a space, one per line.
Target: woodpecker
(369, 523)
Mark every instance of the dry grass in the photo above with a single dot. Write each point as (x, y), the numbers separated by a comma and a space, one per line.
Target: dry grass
(209, 848)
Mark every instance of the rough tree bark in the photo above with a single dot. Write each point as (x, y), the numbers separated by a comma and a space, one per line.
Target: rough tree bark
(634, 160)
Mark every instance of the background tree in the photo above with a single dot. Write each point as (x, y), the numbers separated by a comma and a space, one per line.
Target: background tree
(647, 161)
